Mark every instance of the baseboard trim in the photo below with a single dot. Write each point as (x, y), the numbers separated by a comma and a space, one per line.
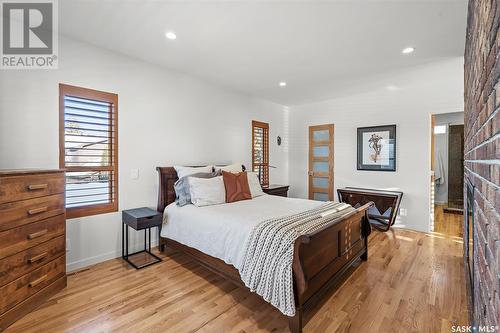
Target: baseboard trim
(82, 263)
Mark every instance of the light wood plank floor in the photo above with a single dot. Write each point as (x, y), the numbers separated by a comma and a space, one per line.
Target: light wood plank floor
(412, 282)
(448, 224)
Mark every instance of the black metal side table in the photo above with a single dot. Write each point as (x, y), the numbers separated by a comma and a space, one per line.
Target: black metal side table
(140, 219)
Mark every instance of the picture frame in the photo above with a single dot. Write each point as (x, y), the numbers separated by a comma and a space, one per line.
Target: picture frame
(376, 148)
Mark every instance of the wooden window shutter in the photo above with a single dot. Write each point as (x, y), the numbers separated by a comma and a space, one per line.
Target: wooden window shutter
(88, 150)
(260, 151)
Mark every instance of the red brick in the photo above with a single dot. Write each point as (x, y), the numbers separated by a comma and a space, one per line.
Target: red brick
(482, 122)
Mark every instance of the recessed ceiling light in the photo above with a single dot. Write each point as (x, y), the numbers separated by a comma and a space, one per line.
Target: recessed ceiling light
(408, 50)
(171, 35)
(392, 87)
(282, 84)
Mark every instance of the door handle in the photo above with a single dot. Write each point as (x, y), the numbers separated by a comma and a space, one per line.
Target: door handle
(310, 173)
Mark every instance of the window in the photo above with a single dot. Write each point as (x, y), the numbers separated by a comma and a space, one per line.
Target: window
(260, 151)
(88, 150)
(440, 129)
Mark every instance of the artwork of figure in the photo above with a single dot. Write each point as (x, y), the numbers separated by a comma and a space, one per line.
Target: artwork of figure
(375, 144)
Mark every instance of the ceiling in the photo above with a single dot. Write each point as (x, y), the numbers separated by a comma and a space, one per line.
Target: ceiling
(317, 47)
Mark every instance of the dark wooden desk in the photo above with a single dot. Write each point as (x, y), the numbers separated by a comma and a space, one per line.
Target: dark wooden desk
(383, 215)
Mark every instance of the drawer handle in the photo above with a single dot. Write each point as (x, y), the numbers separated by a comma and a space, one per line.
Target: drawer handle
(37, 258)
(37, 234)
(39, 210)
(36, 282)
(36, 187)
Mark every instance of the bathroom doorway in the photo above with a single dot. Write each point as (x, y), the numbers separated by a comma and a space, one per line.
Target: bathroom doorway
(448, 173)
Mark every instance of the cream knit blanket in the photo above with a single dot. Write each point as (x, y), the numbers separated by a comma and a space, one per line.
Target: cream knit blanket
(267, 265)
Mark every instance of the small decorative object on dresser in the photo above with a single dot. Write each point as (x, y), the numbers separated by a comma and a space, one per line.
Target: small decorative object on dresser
(140, 219)
(273, 189)
(32, 240)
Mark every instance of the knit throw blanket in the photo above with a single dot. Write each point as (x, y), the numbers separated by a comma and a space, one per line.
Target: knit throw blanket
(268, 258)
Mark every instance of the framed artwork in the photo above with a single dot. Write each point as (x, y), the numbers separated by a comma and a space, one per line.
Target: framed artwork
(377, 148)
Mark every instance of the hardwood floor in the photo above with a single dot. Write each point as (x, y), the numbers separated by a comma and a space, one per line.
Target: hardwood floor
(448, 224)
(412, 282)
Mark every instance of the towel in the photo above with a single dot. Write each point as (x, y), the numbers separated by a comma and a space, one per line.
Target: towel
(439, 172)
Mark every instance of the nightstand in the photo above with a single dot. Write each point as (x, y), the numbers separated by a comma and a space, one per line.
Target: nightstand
(273, 189)
(140, 219)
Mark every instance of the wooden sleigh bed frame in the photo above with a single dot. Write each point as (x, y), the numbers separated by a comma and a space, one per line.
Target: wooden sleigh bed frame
(321, 258)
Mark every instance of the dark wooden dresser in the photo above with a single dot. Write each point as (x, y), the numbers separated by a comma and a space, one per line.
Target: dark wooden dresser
(32, 240)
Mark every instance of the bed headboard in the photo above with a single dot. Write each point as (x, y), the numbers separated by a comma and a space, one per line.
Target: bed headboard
(166, 192)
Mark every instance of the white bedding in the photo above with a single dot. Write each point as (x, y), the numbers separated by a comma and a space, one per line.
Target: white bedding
(221, 230)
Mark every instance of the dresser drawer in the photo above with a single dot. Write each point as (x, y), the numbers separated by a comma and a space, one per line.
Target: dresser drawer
(29, 284)
(15, 188)
(26, 261)
(18, 213)
(27, 236)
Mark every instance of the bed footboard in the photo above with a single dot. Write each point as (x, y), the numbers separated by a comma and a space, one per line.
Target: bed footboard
(321, 259)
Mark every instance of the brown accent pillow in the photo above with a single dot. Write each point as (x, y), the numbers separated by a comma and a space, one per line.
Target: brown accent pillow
(236, 185)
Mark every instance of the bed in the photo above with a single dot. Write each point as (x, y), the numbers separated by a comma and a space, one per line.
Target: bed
(213, 236)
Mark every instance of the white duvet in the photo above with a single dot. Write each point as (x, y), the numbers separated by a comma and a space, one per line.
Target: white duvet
(221, 230)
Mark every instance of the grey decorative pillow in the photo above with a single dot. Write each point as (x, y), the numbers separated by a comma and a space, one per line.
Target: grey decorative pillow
(181, 187)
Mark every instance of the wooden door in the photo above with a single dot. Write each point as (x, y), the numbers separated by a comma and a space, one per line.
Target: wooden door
(321, 162)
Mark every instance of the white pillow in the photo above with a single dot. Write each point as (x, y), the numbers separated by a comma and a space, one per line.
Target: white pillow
(207, 191)
(234, 168)
(254, 184)
(183, 171)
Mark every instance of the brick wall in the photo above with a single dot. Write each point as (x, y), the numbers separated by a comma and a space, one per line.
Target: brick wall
(482, 152)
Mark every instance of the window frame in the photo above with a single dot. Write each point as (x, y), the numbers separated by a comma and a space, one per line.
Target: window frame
(265, 169)
(80, 92)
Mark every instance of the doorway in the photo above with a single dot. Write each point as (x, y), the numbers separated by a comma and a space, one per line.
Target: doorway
(447, 164)
(321, 162)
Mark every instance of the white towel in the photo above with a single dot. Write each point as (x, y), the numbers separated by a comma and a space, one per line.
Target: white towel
(439, 172)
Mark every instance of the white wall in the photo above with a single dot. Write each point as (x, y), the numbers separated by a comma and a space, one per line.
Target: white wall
(169, 118)
(441, 151)
(420, 92)
(165, 118)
